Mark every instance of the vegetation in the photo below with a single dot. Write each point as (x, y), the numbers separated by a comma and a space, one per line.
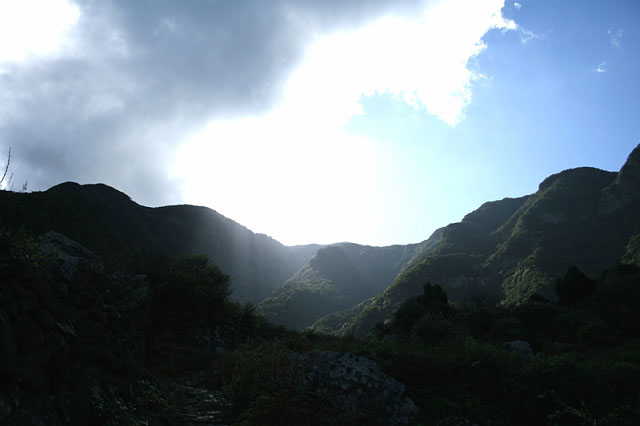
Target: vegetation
(563, 348)
(459, 367)
(111, 225)
(512, 250)
(337, 278)
(459, 364)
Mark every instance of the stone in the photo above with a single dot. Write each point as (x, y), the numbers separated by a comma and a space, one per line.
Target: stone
(626, 187)
(72, 254)
(8, 359)
(34, 369)
(5, 410)
(44, 320)
(67, 327)
(25, 305)
(355, 385)
(520, 347)
(28, 338)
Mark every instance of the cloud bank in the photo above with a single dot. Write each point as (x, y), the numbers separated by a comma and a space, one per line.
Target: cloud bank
(127, 92)
(131, 78)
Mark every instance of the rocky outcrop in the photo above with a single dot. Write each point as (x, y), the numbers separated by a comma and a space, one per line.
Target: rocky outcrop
(625, 188)
(72, 256)
(521, 348)
(62, 332)
(356, 387)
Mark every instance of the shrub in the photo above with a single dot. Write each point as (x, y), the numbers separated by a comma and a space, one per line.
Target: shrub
(433, 302)
(262, 388)
(574, 287)
(191, 288)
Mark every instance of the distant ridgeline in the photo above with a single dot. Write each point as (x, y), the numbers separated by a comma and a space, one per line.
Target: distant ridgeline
(504, 252)
(510, 250)
(110, 224)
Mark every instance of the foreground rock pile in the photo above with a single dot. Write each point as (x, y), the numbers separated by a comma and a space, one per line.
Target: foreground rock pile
(63, 332)
(356, 386)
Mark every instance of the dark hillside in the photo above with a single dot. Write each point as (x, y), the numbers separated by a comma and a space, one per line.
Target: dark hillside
(109, 223)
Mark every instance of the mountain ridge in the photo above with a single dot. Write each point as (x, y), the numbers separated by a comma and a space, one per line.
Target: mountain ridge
(112, 225)
(504, 251)
(583, 217)
(338, 277)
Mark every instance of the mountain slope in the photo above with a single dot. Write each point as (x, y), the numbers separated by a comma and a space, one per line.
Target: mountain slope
(109, 223)
(338, 277)
(512, 249)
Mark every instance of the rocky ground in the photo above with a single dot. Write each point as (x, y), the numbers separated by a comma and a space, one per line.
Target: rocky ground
(80, 345)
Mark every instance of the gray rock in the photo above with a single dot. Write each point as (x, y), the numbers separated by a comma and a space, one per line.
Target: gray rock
(67, 327)
(520, 347)
(625, 188)
(72, 254)
(356, 385)
(8, 357)
(25, 305)
(5, 410)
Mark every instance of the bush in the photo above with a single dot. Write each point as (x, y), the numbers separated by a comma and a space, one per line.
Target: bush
(191, 288)
(433, 302)
(574, 287)
(262, 388)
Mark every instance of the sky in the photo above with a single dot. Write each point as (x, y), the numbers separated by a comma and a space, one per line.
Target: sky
(318, 121)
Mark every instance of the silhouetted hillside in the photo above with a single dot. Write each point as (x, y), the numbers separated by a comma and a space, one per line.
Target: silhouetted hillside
(112, 225)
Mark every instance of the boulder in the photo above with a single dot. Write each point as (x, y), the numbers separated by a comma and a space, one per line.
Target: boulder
(73, 255)
(356, 387)
(8, 356)
(520, 347)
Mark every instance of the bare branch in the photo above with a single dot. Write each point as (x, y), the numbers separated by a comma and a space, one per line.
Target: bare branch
(6, 169)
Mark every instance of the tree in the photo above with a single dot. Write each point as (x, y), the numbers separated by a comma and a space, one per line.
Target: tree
(574, 287)
(190, 286)
(4, 185)
(433, 303)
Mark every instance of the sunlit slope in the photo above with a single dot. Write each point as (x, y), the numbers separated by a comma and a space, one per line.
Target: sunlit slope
(111, 224)
(507, 251)
(338, 277)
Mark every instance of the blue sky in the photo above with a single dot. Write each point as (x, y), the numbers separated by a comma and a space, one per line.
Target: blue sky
(566, 97)
(366, 121)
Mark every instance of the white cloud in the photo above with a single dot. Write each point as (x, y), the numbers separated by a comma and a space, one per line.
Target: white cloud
(421, 60)
(615, 38)
(297, 166)
(517, 5)
(602, 67)
(526, 35)
(34, 27)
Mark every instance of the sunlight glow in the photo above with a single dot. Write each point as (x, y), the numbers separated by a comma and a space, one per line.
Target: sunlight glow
(296, 169)
(34, 27)
(261, 173)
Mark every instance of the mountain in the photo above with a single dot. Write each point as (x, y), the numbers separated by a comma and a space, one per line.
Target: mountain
(510, 250)
(337, 278)
(505, 251)
(110, 224)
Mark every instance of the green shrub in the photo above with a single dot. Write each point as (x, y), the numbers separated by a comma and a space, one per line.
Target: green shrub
(262, 388)
(574, 287)
(433, 302)
(594, 334)
(432, 329)
(191, 288)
